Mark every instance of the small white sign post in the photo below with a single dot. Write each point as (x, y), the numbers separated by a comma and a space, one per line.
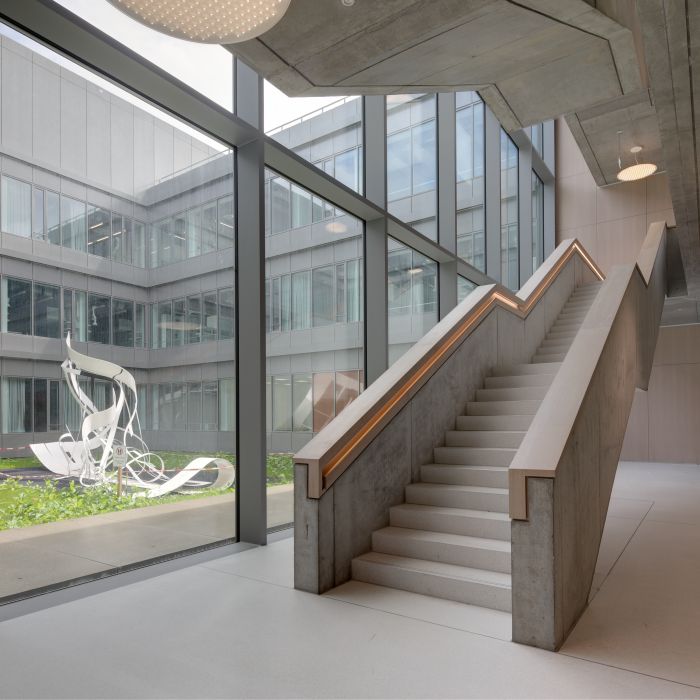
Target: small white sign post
(119, 462)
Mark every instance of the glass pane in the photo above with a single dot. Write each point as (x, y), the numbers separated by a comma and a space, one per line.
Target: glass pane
(226, 222)
(412, 160)
(123, 323)
(99, 231)
(16, 207)
(41, 406)
(226, 314)
(471, 245)
(412, 297)
(139, 325)
(210, 319)
(73, 232)
(537, 222)
(98, 319)
(16, 306)
(464, 288)
(323, 296)
(281, 403)
(47, 310)
(179, 322)
(510, 231)
(302, 403)
(16, 405)
(38, 228)
(53, 218)
(194, 319)
(324, 399)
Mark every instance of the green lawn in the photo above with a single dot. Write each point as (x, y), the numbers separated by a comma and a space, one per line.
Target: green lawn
(24, 504)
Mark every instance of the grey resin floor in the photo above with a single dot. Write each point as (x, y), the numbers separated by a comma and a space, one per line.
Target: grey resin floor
(235, 627)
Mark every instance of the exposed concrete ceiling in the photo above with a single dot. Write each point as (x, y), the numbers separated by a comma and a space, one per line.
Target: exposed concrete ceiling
(606, 65)
(531, 59)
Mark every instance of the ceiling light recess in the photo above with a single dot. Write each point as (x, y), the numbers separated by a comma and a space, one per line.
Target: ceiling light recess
(206, 21)
(638, 171)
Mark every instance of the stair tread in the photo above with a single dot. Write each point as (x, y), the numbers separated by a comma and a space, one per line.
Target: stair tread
(474, 467)
(460, 512)
(505, 433)
(425, 566)
(406, 533)
(458, 487)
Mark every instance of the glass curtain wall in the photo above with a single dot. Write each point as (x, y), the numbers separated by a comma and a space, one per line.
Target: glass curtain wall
(510, 219)
(411, 160)
(106, 206)
(314, 325)
(471, 239)
(412, 281)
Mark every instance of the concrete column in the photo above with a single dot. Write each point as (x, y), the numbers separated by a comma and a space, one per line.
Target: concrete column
(492, 193)
(447, 199)
(251, 496)
(376, 318)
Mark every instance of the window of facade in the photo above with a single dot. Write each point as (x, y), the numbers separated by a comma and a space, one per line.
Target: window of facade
(412, 160)
(16, 405)
(16, 306)
(98, 320)
(123, 323)
(100, 230)
(471, 241)
(510, 224)
(464, 288)
(47, 310)
(73, 228)
(16, 210)
(537, 221)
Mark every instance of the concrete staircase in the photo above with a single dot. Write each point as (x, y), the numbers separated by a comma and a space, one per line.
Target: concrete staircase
(451, 538)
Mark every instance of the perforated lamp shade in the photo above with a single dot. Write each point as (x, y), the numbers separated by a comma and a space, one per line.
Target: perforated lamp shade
(636, 172)
(206, 21)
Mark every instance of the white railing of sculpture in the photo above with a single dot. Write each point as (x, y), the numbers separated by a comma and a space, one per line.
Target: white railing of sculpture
(91, 458)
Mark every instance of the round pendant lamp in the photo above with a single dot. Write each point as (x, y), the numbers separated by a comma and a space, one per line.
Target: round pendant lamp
(206, 21)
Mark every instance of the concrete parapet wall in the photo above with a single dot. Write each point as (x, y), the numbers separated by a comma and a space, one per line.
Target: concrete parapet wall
(330, 531)
(554, 551)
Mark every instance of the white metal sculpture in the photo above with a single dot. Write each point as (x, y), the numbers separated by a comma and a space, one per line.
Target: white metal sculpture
(90, 458)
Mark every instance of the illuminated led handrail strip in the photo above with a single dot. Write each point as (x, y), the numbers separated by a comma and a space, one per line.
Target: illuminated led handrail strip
(338, 444)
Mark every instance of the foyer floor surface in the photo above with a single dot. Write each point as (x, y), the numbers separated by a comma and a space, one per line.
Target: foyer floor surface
(234, 626)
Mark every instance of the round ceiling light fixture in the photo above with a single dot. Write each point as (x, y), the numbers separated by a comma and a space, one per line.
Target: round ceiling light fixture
(206, 21)
(638, 171)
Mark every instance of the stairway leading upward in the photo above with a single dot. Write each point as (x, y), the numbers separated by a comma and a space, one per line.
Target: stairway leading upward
(451, 538)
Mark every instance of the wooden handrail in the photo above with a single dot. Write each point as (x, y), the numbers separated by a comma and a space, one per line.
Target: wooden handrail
(335, 447)
(540, 453)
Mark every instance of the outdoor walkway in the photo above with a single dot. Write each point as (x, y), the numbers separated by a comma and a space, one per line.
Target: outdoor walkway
(235, 627)
(42, 555)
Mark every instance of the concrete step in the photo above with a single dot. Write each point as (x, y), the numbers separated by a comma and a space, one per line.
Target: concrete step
(462, 550)
(509, 370)
(511, 393)
(561, 335)
(516, 380)
(494, 477)
(584, 295)
(476, 456)
(459, 521)
(564, 327)
(484, 438)
(555, 344)
(458, 496)
(496, 423)
(503, 408)
(549, 357)
(488, 589)
(572, 307)
(572, 316)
